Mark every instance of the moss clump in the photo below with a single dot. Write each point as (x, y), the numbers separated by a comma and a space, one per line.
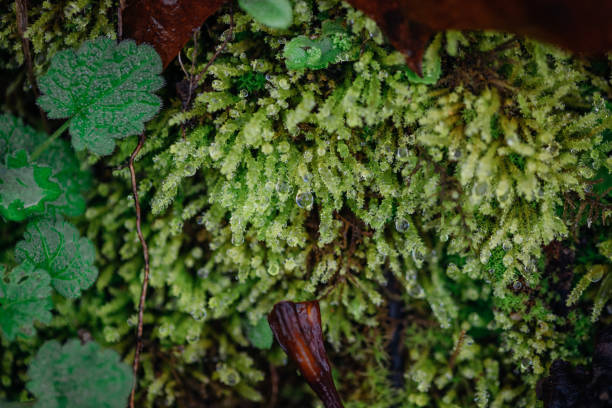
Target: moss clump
(327, 180)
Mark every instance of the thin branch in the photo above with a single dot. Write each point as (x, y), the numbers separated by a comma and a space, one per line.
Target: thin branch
(453, 358)
(228, 38)
(21, 8)
(120, 19)
(145, 281)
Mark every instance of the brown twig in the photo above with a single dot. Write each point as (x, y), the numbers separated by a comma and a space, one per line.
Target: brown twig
(451, 362)
(145, 253)
(274, 391)
(220, 49)
(21, 7)
(120, 19)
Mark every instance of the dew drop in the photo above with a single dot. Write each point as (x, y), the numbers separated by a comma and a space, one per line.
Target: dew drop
(189, 170)
(417, 256)
(588, 188)
(506, 246)
(402, 153)
(237, 239)
(304, 199)
(416, 291)
(243, 93)
(517, 285)
(282, 187)
(307, 177)
(203, 273)
(200, 220)
(481, 188)
(401, 225)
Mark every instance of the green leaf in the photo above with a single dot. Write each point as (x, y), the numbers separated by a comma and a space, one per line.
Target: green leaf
(105, 89)
(24, 297)
(302, 52)
(25, 188)
(260, 335)
(273, 13)
(56, 246)
(78, 375)
(432, 65)
(59, 156)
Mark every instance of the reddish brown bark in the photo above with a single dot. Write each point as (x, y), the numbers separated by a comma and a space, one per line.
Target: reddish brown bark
(297, 328)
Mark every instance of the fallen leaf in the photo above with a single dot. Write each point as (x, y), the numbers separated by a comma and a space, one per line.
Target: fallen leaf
(297, 328)
(579, 26)
(167, 24)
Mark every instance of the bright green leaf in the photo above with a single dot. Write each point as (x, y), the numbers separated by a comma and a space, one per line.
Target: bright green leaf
(56, 246)
(24, 298)
(59, 156)
(260, 335)
(273, 13)
(105, 89)
(25, 188)
(78, 375)
(432, 65)
(302, 52)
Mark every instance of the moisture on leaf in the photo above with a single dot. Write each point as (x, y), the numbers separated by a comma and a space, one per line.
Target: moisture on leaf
(78, 375)
(260, 335)
(273, 13)
(65, 167)
(55, 246)
(24, 297)
(25, 188)
(105, 90)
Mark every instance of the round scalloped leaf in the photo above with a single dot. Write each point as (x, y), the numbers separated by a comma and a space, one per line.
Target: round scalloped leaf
(105, 89)
(78, 375)
(25, 188)
(56, 246)
(65, 167)
(25, 296)
(273, 13)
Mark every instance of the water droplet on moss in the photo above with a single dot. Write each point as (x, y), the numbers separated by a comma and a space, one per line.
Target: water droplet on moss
(401, 225)
(203, 273)
(402, 153)
(237, 239)
(416, 291)
(517, 285)
(417, 255)
(307, 177)
(588, 188)
(200, 220)
(282, 187)
(481, 188)
(304, 199)
(189, 170)
(506, 246)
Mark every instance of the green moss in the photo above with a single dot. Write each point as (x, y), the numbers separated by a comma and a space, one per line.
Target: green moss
(322, 182)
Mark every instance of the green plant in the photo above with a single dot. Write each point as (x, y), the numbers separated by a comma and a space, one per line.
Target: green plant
(104, 90)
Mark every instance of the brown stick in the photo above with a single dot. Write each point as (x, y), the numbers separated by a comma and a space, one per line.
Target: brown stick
(120, 19)
(453, 358)
(145, 253)
(21, 8)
